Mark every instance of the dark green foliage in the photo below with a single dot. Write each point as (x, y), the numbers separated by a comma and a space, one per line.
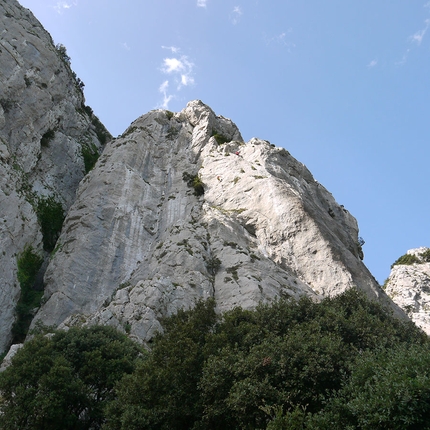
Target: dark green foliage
(406, 259)
(281, 363)
(213, 264)
(169, 114)
(219, 137)
(388, 389)
(64, 381)
(90, 155)
(28, 264)
(194, 181)
(62, 53)
(344, 363)
(50, 215)
(47, 137)
(102, 134)
(162, 393)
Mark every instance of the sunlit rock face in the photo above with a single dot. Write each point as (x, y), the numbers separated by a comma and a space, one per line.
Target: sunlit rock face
(179, 209)
(409, 287)
(44, 125)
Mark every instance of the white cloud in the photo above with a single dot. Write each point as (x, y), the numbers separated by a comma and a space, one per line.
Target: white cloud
(173, 49)
(61, 6)
(419, 35)
(372, 64)
(236, 14)
(202, 3)
(125, 46)
(166, 98)
(172, 65)
(180, 68)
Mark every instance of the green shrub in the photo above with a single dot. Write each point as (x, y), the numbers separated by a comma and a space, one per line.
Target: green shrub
(194, 181)
(220, 138)
(213, 264)
(28, 263)
(406, 259)
(90, 155)
(244, 369)
(65, 381)
(50, 215)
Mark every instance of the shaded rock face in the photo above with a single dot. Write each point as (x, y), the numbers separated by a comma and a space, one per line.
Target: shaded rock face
(44, 126)
(409, 287)
(142, 241)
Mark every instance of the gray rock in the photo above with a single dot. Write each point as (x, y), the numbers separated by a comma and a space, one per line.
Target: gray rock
(43, 127)
(138, 244)
(409, 287)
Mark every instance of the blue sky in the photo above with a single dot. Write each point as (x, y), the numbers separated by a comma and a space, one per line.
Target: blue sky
(342, 85)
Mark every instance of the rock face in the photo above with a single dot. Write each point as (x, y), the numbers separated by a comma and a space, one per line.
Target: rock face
(142, 239)
(409, 286)
(44, 129)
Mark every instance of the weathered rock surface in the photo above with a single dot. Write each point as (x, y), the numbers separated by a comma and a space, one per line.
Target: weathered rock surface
(43, 127)
(409, 287)
(138, 244)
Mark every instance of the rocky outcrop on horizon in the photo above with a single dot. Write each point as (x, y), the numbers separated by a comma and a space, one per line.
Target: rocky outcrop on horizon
(44, 129)
(409, 286)
(179, 209)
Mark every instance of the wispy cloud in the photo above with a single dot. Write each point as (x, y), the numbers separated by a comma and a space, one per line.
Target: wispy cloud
(180, 69)
(202, 3)
(166, 98)
(172, 49)
(125, 46)
(61, 6)
(235, 14)
(419, 35)
(404, 58)
(281, 39)
(372, 64)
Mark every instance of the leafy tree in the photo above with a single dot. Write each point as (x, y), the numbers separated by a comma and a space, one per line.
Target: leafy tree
(388, 389)
(233, 372)
(162, 393)
(64, 380)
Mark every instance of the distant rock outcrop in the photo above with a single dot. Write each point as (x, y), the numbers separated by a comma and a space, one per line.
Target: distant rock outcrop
(409, 286)
(45, 131)
(179, 208)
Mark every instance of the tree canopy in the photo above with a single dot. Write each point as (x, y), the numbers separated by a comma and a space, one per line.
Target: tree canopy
(343, 363)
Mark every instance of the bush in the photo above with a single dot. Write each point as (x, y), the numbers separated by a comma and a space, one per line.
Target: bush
(220, 138)
(194, 181)
(90, 155)
(28, 263)
(208, 372)
(50, 215)
(407, 259)
(64, 381)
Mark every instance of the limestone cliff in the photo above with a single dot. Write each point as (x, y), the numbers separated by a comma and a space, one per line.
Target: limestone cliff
(180, 208)
(409, 286)
(45, 128)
